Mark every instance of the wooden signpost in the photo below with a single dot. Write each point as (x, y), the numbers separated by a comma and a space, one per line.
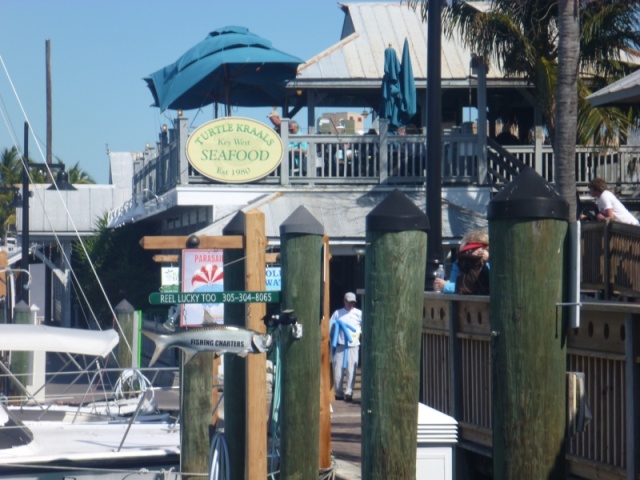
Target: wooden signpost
(245, 422)
(254, 244)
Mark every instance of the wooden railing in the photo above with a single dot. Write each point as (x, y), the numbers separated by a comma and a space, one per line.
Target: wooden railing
(611, 259)
(456, 365)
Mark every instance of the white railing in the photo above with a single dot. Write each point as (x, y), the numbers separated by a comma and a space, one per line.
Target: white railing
(384, 158)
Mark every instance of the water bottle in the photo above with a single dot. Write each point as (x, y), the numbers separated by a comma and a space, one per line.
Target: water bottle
(440, 272)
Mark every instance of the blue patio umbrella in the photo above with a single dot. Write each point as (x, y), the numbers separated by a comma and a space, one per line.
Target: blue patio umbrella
(231, 66)
(407, 86)
(391, 93)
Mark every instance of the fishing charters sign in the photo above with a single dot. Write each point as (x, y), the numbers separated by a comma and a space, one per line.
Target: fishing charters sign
(234, 150)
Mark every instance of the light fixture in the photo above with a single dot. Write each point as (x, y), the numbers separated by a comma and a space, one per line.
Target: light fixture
(359, 250)
(164, 127)
(62, 182)
(179, 113)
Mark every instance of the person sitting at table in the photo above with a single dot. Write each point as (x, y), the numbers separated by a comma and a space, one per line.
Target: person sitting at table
(298, 150)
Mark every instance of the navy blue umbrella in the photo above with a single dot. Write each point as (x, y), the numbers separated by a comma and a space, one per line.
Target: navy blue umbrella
(230, 66)
(391, 93)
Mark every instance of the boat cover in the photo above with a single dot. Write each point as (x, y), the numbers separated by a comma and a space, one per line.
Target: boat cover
(32, 338)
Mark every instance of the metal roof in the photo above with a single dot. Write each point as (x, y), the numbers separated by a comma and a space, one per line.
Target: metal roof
(343, 214)
(625, 91)
(68, 213)
(71, 213)
(369, 28)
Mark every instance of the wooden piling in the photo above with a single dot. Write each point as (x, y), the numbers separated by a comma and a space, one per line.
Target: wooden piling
(391, 326)
(196, 405)
(301, 258)
(125, 313)
(528, 224)
(235, 367)
(326, 384)
(195, 418)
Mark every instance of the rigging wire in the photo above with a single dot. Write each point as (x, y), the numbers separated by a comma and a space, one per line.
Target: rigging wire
(25, 166)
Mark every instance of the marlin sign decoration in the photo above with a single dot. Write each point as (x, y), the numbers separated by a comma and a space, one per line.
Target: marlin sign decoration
(213, 338)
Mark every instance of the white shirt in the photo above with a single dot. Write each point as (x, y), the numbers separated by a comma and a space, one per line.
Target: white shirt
(353, 318)
(609, 200)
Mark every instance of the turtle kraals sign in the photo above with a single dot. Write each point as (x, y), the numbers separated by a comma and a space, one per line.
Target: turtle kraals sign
(234, 150)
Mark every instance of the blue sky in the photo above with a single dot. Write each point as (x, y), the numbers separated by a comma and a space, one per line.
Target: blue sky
(102, 49)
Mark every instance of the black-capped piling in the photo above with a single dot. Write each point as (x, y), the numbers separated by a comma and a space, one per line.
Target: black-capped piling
(301, 260)
(528, 223)
(392, 324)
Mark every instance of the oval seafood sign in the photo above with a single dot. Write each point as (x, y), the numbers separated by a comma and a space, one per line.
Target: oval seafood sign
(234, 150)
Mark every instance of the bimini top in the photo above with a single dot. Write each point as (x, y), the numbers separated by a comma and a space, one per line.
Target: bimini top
(41, 338)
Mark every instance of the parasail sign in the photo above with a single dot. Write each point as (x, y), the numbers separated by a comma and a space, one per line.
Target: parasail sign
(202, 272)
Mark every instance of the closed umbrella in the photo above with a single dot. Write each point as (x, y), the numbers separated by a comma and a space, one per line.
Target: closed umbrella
(230, 66)
(407, 86)
(391, 93)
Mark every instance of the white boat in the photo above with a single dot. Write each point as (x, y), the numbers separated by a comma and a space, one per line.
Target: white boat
(83, 433)
(54, 446)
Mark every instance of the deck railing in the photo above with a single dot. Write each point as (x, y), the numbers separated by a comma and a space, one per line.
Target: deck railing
(456, 365)
(611, 259)
(457, 357)
(381, 159)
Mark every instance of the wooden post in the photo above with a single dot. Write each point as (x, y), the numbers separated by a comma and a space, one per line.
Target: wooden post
(125, 314)
(235, 368)
(324, 453)
(256, 382)
(197, 375)
(391, 326)
(196, 405)
(301, 246)
(245, 379)
(195, 418)
(527, 230)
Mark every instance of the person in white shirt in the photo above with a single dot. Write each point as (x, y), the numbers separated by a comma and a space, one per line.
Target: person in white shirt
(610, 208)
(346, 327)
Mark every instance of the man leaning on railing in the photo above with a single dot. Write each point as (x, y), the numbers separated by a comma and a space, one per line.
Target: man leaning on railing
(609, 207)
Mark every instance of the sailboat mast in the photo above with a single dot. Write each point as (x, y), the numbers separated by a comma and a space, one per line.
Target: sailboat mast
(49, 123)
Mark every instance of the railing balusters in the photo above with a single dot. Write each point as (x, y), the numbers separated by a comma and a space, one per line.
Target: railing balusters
(599, 348)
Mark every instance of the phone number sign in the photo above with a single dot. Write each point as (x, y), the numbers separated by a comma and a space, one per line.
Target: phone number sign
(173, 298)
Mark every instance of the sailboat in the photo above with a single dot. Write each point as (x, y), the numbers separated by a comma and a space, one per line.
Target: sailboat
(74, 432)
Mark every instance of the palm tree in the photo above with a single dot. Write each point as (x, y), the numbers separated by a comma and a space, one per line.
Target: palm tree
(567, 101)
(526, 38)
(78, 176)
(10, 176)
(10, 167)
(124, 268)
(521, 36)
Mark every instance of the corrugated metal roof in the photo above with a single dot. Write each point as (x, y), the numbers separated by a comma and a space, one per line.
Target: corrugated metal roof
(67, 212)
(343, 214)
(369, 28)
(625, 91)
